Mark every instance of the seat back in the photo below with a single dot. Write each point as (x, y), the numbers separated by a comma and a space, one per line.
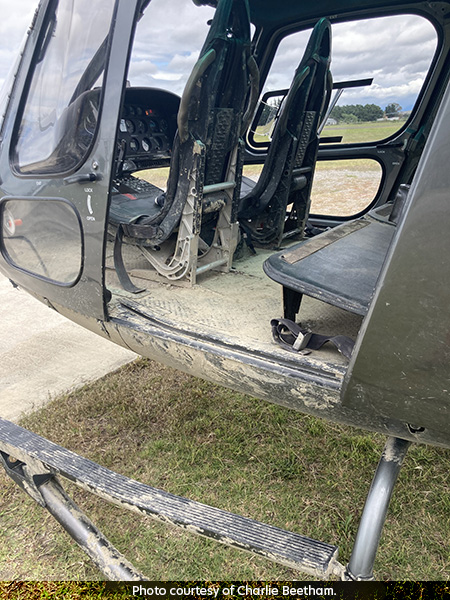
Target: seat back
(288, 170)
(213, 113)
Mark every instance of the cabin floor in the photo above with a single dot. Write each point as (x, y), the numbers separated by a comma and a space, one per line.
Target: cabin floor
(235, 308)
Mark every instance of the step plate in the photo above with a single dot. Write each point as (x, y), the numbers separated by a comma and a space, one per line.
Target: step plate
(284, 547)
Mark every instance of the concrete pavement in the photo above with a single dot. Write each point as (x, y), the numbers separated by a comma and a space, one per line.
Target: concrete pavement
(42, 354)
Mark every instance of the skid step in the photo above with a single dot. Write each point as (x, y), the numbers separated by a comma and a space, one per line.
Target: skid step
(42, 457)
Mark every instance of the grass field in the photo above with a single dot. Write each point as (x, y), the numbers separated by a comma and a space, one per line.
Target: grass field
(232, 451)
(354, 133)
(363, 132)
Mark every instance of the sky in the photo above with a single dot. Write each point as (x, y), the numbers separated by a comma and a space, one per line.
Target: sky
(395, 51)
(16, 17)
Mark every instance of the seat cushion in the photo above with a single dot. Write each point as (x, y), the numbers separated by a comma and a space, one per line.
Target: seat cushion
(132, 204)
(340, 266)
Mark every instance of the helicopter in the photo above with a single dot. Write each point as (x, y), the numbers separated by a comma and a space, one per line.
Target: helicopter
(241, 279)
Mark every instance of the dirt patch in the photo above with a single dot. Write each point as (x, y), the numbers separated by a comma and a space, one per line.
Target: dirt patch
(340, 188)
(343, 193)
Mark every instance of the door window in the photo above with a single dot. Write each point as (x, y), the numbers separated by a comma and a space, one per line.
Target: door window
(43, 237)
(59, 120)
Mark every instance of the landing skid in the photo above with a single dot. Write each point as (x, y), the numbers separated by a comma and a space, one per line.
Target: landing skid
(34, 462)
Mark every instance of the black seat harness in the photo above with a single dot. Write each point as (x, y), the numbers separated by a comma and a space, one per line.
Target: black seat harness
(294, 338)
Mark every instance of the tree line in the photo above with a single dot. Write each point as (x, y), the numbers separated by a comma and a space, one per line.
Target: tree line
(355, 113)
(347, 113)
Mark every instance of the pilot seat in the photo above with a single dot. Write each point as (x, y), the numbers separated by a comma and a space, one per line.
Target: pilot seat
(192, 227)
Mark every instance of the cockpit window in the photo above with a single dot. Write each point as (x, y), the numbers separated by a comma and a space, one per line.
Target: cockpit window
(59, 120)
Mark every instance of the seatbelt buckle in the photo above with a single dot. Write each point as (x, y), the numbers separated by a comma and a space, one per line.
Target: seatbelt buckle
(302, 340)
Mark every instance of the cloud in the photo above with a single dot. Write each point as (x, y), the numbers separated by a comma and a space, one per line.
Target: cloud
(167, 44)
(396, 50)
(168, 39)
(164, 76)
(15, 20)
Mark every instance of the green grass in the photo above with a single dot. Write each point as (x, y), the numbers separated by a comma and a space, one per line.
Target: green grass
(356, 133)
(363, 132)
(351, 134)
(67, 590)
(216, 446)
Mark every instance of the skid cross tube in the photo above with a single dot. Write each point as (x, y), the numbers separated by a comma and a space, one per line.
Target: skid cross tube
(360, 566)
(102, 553)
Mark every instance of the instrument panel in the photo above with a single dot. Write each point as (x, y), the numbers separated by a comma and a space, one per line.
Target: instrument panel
(147, 128)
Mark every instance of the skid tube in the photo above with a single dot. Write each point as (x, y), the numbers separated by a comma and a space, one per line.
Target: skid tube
(38, 465)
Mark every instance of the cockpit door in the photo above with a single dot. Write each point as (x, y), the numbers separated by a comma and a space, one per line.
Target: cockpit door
(57, 150)
(400, 367)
